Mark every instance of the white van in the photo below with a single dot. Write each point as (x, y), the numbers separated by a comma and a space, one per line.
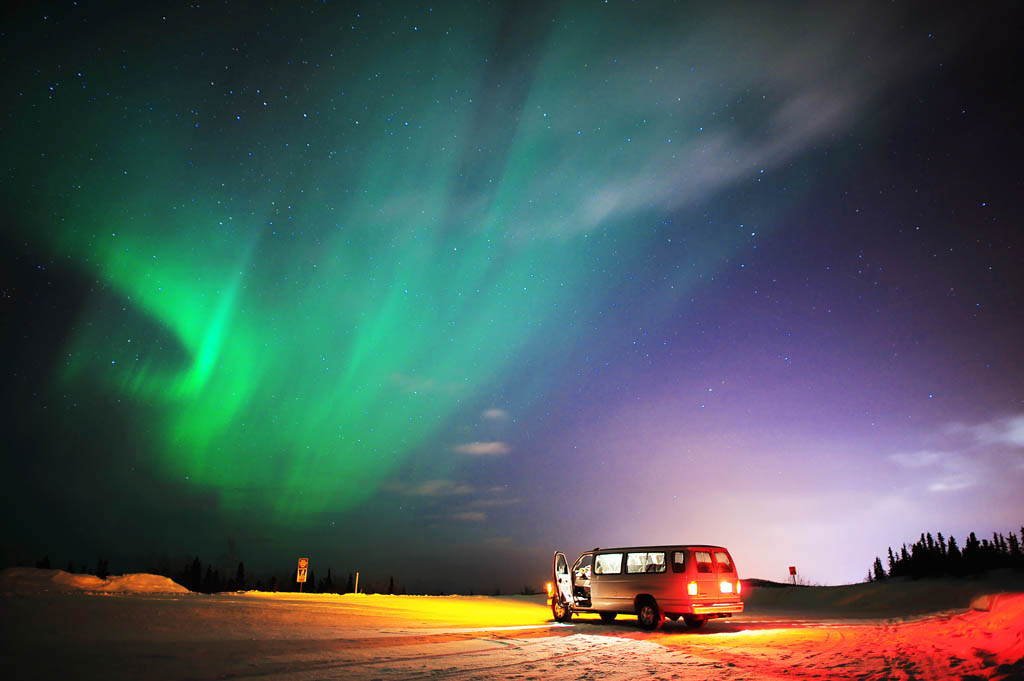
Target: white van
(697, 582)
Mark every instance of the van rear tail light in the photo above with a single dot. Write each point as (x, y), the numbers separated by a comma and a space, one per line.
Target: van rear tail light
(726, 587)
(691, 588)
(739, 586)
(550, 588)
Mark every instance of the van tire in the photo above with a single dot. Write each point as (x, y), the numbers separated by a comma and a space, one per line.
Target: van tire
(560, 611)
(648, 614)
(607, 616)
(694, 621)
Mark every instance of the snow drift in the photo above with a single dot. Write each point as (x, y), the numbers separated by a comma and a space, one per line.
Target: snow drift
(23, 580)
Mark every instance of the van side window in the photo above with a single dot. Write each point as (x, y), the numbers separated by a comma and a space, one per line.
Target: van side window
(645, 562)
(703, 559)
(679, 561)
(608, 564)
(724, 564)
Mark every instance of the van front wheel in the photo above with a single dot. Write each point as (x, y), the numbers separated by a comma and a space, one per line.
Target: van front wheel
(648, 614)
(560, 611)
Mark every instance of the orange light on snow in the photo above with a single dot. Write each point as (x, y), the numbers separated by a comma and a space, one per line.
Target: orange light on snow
(726, 587)
(691, 588)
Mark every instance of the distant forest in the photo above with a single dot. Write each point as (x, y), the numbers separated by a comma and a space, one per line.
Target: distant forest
(205, 578)
(937, 557)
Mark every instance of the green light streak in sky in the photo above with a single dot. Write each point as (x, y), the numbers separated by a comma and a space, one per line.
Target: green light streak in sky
(311, 273)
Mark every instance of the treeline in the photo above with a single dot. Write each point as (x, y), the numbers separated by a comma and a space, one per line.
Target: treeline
(196, 578)
(205, 578)
(938, 557)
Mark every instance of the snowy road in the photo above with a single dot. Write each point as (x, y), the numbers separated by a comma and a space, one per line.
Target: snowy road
(286, 636)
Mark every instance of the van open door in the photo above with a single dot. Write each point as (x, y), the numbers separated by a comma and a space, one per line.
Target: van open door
(561, 597)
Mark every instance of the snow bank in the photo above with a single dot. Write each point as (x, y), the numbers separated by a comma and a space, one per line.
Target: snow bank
(23, 580)
(891, 597)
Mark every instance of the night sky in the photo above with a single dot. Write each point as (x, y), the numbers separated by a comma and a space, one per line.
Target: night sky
(432, 291)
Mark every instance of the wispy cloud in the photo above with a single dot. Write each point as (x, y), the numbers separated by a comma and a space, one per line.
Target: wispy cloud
(940, 471)
(471, 516)
(821, 80)
(950, 483)
(919, 459)
(494, 414)
(1007, 431)
(494, 503)
(484, 448)
(431, 488)
(977, 453)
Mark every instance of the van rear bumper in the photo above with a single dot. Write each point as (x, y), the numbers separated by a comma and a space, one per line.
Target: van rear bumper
(691, 608)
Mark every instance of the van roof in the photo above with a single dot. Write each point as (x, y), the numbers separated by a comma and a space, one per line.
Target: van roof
(660, 547)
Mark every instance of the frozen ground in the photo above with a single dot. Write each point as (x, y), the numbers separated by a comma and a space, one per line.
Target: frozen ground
(57, 626)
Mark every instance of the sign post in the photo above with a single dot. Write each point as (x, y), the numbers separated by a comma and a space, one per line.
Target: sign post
(792, 573)
(300, 577)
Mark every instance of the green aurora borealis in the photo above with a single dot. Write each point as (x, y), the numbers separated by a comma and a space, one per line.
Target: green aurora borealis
(344, 248)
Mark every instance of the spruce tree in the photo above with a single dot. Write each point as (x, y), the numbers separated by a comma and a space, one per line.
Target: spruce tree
(327, 583)
(879, 570)
(1012, 542)
(195, 575)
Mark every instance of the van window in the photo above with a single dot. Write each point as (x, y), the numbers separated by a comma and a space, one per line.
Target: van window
(703, 559)
(679, 561)
(608, 564)
(724, 564)
(581, 568)
(645, 562)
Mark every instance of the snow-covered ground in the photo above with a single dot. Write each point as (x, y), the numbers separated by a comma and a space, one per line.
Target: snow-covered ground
(63, 626)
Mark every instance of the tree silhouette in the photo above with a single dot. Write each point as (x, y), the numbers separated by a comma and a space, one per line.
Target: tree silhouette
(879, 570)
(195, 575)
(327, 583)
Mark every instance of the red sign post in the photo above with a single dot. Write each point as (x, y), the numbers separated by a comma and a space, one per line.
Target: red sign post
(792, 573)
(301, 576)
